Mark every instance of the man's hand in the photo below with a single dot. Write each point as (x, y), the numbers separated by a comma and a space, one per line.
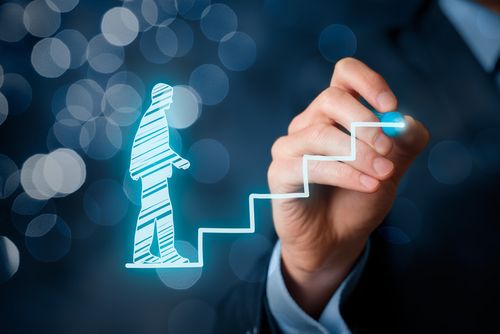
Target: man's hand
(182, 164)
(323, 235)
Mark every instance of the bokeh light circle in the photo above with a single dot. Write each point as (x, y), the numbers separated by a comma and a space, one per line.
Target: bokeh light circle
(128, 78)
(210, 82)
(209, 161)
(84, 99)
(100, 138)
(166, 40)
(4, 108)
(104, 57)
(50, 57)
(124, 104)
(244, 254)
(185, 36)
(191, 9)
(181, 317)
(18, 92)
(25, 207)
(77, 45)
(40, 20)
(105, 202)
(450, 162)
(11, 16)
(62, 6)
(9, 176)
(336, 42)
(9, 259)
(181, 278)
(185, 108)
(150, 49)
(72, 171)
(48, 238)
(237, 51)
(217, 21)
(120, 26)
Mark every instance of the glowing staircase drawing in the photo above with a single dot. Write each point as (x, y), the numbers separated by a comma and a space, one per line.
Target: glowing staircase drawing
(251, 199)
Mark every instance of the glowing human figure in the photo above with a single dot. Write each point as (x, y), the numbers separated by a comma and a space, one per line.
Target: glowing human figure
(151, 161)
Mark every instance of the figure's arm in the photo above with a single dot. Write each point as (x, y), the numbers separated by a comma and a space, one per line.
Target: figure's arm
(179, 162)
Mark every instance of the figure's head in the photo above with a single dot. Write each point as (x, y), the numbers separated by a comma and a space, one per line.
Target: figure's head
(161, 96)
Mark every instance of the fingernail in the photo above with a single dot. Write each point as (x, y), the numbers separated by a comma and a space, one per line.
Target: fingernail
(382, 144)
(386, 101)
(368, 181)
(382, 166)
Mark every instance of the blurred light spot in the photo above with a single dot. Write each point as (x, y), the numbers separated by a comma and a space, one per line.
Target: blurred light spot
(100, 138)
(73, 171)
(105, 202)
(77, 45)
(104, 57)
(184, 35)
(149, 11)
(128, 78)
(4, 108)
(29, 174)
(209, 161)
(124, 104)
(244, 254)
(237, 51)
(487, 150)
(150, 49)
(217, 21)
(11, 16)
(62, 6)
(84, 99)
(192, 9)
(67, 132)
(405, 219)
(50, 57)
(169, 6)
(25, 207)
(450, 162)
(185, 109)
(48, 238)
(336, 42)
(181, 317)
(9, 176)
(211, 82)
(40, 20)
(18, 92)
(166, 40)
(9, 259)
(59, 173)
(181, 279)
(1, 76)
(120, 26)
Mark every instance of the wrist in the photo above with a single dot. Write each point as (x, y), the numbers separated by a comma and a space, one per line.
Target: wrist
(313, 286)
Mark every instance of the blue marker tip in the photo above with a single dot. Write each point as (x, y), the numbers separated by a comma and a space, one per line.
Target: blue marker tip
(392, 116)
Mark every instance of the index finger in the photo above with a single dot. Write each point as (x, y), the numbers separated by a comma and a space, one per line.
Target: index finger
(356, 78)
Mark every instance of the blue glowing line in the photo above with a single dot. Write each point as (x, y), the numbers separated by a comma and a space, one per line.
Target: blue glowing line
(251, 199)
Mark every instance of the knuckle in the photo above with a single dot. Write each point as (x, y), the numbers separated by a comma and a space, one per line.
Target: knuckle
(318, 132)
(345, 64)
(278, 146)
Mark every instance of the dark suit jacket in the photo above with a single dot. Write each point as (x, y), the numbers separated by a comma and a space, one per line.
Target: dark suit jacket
(447, 278)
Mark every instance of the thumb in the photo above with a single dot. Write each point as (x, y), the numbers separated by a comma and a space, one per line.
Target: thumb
(408, 145)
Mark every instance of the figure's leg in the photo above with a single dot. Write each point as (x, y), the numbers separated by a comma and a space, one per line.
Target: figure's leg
(165, 230)
(143, 238)
(152, 205)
